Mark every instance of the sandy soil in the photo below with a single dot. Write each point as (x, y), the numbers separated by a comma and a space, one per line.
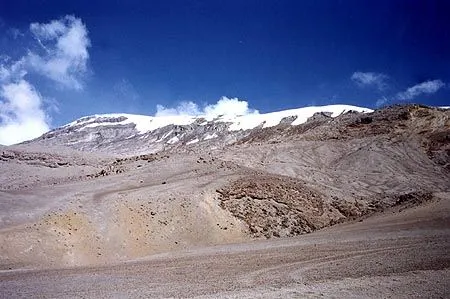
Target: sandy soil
(92, 210)
(401, 254)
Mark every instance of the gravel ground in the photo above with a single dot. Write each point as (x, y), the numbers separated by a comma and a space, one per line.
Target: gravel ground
(400, 254)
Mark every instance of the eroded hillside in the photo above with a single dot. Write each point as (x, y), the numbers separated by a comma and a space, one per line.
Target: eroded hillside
(61, 207)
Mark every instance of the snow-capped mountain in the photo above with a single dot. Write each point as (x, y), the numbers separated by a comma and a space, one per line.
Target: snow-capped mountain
(133, 134)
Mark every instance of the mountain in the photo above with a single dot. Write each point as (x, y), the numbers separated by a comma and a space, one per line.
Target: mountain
(130, 134)
(336, 200)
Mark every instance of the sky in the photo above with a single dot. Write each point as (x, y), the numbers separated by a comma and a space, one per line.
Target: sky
(61, 60)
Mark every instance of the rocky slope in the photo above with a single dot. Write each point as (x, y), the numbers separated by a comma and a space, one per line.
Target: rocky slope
(129, 134)
(64, 207)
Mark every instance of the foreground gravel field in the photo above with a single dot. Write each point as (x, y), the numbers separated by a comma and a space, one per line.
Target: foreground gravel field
(399, 254)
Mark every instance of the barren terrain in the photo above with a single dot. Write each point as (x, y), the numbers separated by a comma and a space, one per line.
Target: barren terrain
(352, 207)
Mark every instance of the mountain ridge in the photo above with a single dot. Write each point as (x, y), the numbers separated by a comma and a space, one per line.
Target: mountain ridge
(130, 134)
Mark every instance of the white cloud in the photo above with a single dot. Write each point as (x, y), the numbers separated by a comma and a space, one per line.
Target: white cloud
(13, 71)
(184, 108)
(381, 101)
(123, 89)
(4, 73)
(227, 106)
(224, 106)
(370, 79)
(15, 33)
(427, 87)
(21, 113)
(50, 30)
(63, 59)
(66, 43)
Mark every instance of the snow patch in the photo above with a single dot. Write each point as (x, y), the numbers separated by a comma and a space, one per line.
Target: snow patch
(192, 141)
(210, 136)
(173, 140)
(144, 124)
(164, 136)
(251, 121)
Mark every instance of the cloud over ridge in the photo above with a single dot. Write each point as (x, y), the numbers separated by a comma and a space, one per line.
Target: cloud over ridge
(66, 43)
(21, 113)
(365, 79)
(427, 87)
(63, 59)
(224, 106)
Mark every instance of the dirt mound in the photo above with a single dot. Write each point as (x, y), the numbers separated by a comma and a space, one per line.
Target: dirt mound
(380, 203)
(277, 206)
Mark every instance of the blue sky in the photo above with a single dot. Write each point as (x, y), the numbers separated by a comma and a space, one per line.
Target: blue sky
(131, 56)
